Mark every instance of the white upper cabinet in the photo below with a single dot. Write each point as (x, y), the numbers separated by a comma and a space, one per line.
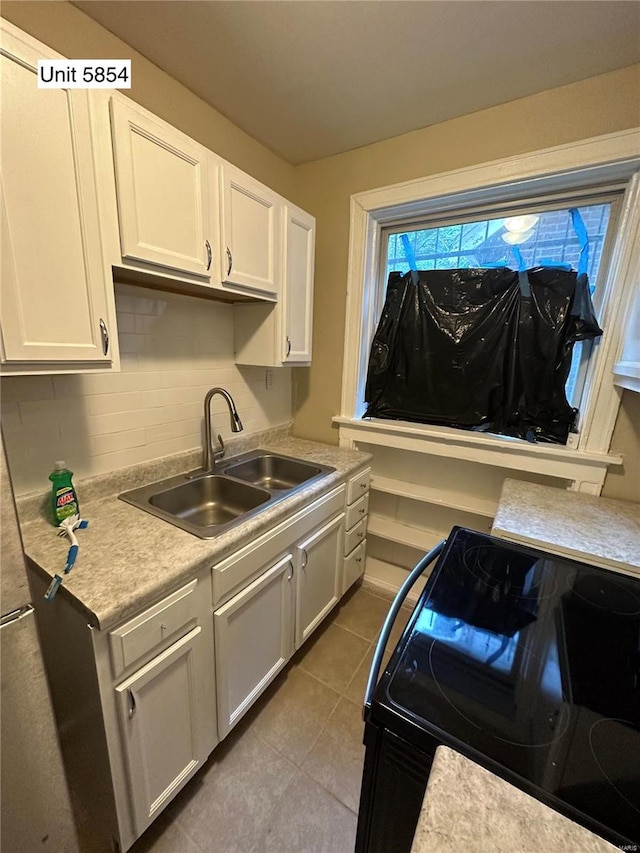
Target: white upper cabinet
(250, 234)
(163, 193)
(297, 309)
(273, 335)
(56, 292)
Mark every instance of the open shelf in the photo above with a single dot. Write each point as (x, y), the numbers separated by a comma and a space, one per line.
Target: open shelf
(476, 504)
(386, 528)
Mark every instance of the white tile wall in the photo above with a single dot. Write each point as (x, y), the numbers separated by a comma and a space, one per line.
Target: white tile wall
(173, 349)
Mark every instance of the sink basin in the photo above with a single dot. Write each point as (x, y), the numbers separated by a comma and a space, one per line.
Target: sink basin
(210, 500)
(209, 504)
(270, 471)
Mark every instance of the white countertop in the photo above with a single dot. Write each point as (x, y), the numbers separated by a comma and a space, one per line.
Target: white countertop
(600, 531)
(467, 808)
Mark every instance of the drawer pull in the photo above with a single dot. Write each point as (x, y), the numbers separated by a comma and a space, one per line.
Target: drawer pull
(132, 703)
(361, 535)
(362, 511)
(358, 559)
(363, 485)
(104, 333)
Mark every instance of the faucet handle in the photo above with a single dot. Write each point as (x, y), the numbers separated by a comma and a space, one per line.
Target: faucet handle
(219, 453)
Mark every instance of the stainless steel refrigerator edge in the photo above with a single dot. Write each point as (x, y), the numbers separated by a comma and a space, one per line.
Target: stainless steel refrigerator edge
(35, 811)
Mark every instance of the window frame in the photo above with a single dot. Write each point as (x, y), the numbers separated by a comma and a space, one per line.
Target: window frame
(588, 164)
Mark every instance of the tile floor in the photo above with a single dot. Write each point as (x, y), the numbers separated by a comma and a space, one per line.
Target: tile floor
(287, 778)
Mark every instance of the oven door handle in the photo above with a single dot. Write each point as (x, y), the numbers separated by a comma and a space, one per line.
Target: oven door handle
(398, 601)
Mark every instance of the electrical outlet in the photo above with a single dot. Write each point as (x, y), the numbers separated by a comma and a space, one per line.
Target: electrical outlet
(268, 379)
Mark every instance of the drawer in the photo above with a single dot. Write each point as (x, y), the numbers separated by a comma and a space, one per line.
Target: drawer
(353, 566)
(354, 537)
(358, 485)
(165, 621)
(357, 511)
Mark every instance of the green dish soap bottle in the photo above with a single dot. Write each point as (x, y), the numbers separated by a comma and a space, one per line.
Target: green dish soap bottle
(64, 497)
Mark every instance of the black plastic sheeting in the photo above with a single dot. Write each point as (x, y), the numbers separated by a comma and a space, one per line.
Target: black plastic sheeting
(481, 349)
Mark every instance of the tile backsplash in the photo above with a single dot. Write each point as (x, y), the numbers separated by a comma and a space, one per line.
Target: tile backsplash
(173, 349)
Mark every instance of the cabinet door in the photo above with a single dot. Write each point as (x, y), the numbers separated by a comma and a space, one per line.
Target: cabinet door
(253, 641)
(163, 197)
(167, 721)
(300, 229)
(250, 235)
(54, 282)
(319, 575)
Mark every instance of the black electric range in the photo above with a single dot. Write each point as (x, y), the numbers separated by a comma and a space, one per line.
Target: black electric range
(527, 663)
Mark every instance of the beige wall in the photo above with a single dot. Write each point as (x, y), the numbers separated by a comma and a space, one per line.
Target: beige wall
(73, 34)
(600, 105)
(624, 482)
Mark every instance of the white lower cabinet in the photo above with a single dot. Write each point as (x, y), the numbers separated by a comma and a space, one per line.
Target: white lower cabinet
(254, 631)
(253, 640)
(160, 689)
(318, 569)
(273, 594)
(165, 725)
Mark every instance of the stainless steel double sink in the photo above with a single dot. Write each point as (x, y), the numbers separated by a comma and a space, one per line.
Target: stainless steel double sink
(239, 488)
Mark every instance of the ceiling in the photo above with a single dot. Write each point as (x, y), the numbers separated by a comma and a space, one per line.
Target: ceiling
(311, 78)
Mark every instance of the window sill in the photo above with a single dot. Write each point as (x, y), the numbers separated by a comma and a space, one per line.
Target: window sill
(586, 469)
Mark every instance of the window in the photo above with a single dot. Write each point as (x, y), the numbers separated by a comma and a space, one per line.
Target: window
(541, 232)
(575, 172)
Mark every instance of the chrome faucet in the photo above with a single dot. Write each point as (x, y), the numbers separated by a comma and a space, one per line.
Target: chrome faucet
(210, 455)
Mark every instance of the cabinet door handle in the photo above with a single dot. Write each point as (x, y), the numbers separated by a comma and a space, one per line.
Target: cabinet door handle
(104, 332)
(288, 347)
(290, 575)
(229, 261)
(132, 702)
(209, 255)
(305, 559)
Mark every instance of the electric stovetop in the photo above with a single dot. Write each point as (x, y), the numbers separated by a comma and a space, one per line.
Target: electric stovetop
(532, 663)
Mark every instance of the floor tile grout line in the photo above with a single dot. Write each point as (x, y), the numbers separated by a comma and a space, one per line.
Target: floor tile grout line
(187, 833)
(364, 657)
(267, 820)
(355, 633)
(328, 791)
(343, 690)
(322, 727)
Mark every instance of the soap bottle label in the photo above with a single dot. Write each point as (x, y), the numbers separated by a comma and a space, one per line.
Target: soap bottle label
(65, 503)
